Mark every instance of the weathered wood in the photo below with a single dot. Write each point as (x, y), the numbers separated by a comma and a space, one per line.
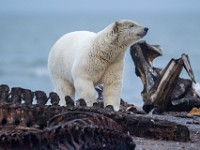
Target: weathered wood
(157, 129)
(135, 124)
(146, 126)
(33, 126)
(163, 89)
(194, 112)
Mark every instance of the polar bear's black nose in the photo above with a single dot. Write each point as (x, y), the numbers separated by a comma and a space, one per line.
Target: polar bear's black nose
(146, 29)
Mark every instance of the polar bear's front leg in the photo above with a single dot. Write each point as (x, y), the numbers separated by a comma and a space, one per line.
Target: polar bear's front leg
(112, 94)
(112, 81)
(85, 89)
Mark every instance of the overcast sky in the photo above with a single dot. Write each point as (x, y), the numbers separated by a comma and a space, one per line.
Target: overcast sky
(99, 6)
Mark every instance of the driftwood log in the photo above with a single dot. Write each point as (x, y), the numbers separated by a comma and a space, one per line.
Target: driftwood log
(39, 126)
(163, 89)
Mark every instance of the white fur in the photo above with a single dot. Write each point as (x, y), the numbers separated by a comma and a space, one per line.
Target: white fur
(80, 60)
(196, 87)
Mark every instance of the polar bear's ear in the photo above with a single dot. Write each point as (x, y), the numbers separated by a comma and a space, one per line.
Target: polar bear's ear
(116, 27)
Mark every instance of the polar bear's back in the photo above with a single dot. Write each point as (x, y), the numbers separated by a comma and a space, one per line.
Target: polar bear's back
(67, 49)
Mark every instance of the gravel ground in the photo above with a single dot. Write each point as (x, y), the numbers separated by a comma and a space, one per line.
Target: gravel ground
(147, 144)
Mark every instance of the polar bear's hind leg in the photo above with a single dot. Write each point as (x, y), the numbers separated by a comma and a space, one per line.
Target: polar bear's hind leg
(85, 89)
(63, 88)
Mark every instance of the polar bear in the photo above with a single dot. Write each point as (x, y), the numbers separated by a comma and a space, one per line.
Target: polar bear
(80, 60)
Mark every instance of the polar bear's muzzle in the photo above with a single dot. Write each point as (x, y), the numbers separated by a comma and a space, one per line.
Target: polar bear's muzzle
(143, 32)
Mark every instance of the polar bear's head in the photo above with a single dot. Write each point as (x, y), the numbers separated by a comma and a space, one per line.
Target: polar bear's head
(129, 31)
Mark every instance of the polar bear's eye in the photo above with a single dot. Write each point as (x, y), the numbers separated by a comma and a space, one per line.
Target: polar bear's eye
(132, 25)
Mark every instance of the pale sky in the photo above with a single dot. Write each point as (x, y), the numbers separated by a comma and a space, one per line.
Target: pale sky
(99, 6)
